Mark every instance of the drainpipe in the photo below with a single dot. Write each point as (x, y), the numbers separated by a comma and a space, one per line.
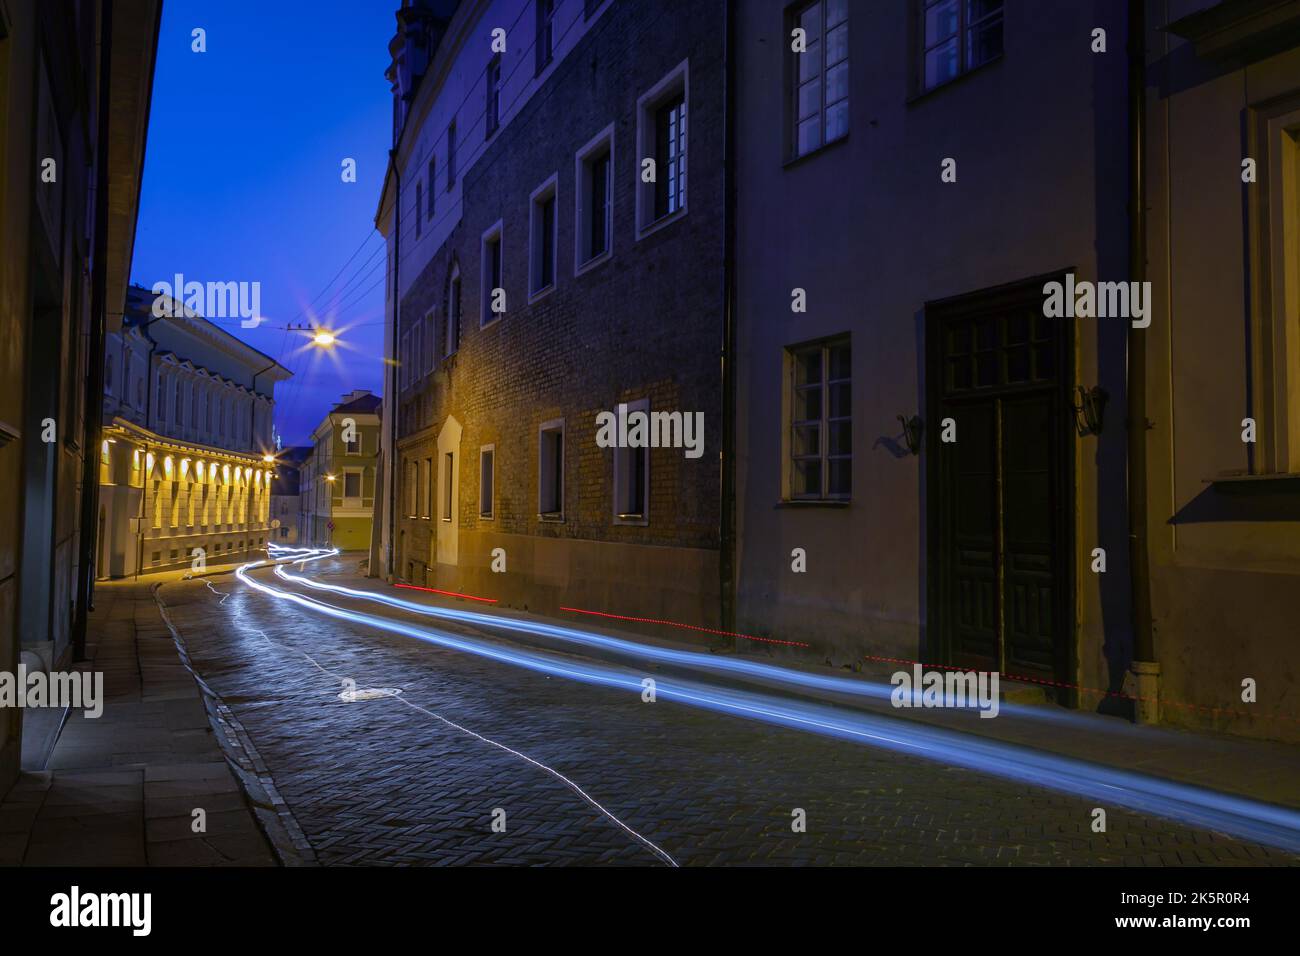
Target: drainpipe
(1145, 669)
(88, 541)
(392, 367)
(252, 415)
(727, 524)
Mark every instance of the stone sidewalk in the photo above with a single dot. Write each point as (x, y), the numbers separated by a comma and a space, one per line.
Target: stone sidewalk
(123, 789)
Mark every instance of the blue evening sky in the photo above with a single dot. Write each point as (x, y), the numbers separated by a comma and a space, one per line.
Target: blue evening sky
(242, 178)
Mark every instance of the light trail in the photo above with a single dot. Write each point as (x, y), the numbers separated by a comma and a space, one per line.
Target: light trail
(1225, 813)
(662, 655)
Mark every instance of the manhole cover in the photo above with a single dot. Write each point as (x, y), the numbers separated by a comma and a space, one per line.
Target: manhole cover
(370, 693)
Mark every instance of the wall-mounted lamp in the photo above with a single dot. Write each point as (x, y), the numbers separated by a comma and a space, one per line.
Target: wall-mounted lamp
(1090, 412)
(913, 429)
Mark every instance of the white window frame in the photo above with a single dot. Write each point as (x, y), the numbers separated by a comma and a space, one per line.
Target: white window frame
(553, 425)
(431, 340)
(622, 456)
(550, 189)
(493, 233)
(1276, 351)
(447, 465)
(483, 452)
(677, 79)
(824, 423)
(792, 119)
(423, 493)
(455, 311)
(601, 142)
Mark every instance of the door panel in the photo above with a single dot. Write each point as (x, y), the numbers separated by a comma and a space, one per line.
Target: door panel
(999, 500)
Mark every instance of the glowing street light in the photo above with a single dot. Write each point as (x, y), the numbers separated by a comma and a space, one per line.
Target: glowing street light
(324, 338)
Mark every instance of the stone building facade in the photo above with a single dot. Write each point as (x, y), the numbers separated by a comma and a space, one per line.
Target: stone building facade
(68, 197)
(922, 174)
(521, 171)
(187, 451)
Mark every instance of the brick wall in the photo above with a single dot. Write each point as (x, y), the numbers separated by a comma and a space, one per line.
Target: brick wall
(646, 323)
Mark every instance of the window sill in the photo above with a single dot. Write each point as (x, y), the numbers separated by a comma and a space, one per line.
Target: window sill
(498, 316)
(661, 223)
(799, 160)
(593, 263)
(552, 517)
(1278, 483)
(927, 93)
(540, 294)
(813, 503)
(634, 521)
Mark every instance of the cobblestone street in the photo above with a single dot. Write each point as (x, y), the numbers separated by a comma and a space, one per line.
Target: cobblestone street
(380, 781)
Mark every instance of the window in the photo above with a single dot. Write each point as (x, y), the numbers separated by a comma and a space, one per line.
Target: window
(351, 484)
(179, 405)
(430, 341)
(486, 462)
(417, 349)
(422, 486)
(194, 405)
(545, 39)
(1274, 137)
(433, 191)
(670, 157)
(448, 477)
(162, 398)
(452, 341)
(491, 306)
(594, 217)
(662, 137)
(419, 207)
(451, 155)
(632, 478)
(957, 36)
(352, 447)
(821, 448)
(429, 485)
(412, 488)
(820, 76)
(493, 108)
(542, 238)
(550, 470)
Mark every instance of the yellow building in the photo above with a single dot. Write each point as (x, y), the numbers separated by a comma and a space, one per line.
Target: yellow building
(337, 484)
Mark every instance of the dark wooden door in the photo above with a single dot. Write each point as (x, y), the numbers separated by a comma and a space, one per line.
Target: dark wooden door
(1000, 497)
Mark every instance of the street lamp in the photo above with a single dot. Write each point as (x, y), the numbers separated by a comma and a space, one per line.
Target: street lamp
(324, 338)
